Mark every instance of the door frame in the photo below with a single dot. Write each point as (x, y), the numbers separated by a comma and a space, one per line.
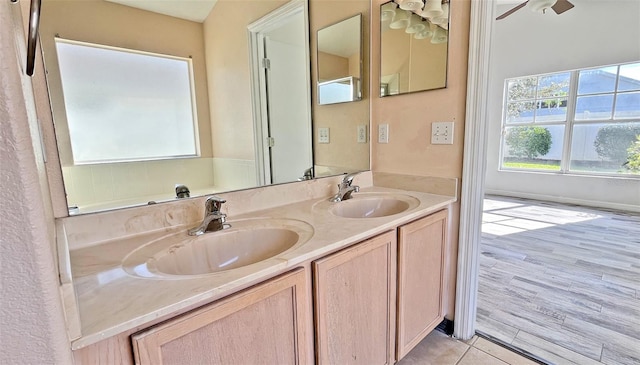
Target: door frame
(259, 102)
(474, 167)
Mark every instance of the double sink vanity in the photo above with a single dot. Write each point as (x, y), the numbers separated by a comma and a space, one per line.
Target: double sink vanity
(304, 280)
(281, 272)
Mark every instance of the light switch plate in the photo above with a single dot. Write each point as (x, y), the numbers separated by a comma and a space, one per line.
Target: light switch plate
(323, 135)
(442, 133)
(383, 133)
(362, 133)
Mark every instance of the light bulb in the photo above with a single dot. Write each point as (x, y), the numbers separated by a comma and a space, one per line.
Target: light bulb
(400, 19)
(412, 5)
(439, 36)
(415, 24)
(432, 9)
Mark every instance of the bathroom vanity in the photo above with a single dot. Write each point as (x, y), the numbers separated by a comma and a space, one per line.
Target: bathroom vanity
(364, 287)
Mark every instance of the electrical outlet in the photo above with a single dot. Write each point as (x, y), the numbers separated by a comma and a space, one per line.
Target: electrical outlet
(362, 133)
(383, 133)
(323, 135)
(442, 133)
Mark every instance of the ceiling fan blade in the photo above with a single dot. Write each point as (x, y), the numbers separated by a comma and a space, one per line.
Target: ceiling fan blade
(513, 10)
(561, 6)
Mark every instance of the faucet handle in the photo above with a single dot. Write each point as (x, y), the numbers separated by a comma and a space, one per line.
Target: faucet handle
(213, 204)
(348, 178)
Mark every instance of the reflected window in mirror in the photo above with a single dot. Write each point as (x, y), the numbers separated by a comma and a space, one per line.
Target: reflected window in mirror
(143, 109)
(414, 46)
(340, 62)
(339, 90)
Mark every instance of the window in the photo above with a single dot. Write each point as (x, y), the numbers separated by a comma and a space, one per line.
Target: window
(583, 121)
(142, 109)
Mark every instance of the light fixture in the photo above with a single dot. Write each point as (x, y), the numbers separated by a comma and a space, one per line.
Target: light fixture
(425, 33)
(540, 5)
(432, 9)
(400, 19)
(388, 11)
(439, 36)
(412, 5)
(415, 24)
(444, 17)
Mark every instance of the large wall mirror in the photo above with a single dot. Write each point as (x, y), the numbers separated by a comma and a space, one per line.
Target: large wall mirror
(340, 62)
(414, 46)
(147, 95)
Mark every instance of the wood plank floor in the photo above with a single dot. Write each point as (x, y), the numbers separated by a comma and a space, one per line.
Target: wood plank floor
(561, 281)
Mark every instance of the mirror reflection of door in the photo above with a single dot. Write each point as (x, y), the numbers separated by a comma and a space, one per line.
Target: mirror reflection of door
(284, 96)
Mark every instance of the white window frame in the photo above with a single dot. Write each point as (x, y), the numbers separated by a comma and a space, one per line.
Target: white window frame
(569, 123)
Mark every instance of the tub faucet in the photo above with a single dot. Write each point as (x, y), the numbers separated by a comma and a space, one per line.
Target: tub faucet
(182, 191)
(308, 174)
(345, 189)
(213, 218)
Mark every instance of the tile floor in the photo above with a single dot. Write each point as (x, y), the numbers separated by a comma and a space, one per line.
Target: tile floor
(561, 281)
(440, 349)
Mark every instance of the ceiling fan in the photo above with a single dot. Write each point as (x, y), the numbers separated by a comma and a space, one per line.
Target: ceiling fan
(559, 6)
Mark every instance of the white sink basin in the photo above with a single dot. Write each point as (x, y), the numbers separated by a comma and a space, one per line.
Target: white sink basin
(246, 242)
(373, 205)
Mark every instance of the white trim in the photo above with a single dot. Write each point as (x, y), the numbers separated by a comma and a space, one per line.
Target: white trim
(572, 101)
(561, 199)
(259, 102)
(474, 167)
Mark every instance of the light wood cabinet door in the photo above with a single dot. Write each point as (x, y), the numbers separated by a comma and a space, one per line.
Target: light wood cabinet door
(266, 324)
(421, 254)
(355, 303)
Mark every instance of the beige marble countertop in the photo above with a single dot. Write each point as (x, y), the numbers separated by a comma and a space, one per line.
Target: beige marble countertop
(112, 301)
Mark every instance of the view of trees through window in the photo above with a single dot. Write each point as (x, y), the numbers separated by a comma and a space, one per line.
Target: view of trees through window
(584, 121)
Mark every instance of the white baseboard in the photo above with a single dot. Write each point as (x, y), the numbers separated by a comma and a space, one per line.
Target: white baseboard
(560, 199)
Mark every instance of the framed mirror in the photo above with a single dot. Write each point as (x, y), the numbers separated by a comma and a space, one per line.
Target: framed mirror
(227, 52)
(340, 62)
(414, 46)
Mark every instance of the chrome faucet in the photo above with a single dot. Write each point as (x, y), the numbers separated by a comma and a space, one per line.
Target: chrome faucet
(308, 174)
(213, 218)
(182, 191)
(345, 189)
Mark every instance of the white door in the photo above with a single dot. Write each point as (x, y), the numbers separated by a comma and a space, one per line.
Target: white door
(288, 109)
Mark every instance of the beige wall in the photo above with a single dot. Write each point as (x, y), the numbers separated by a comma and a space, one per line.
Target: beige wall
(420, 64)
(229, 75)
(428, 65)
(354, 64)
(32, 327)
(409, 150)
(335, 67)
(332, 67)
(341, 119)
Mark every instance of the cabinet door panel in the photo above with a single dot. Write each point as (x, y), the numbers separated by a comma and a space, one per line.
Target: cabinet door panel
(420, 279)
(264, 325)
(355, 298)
